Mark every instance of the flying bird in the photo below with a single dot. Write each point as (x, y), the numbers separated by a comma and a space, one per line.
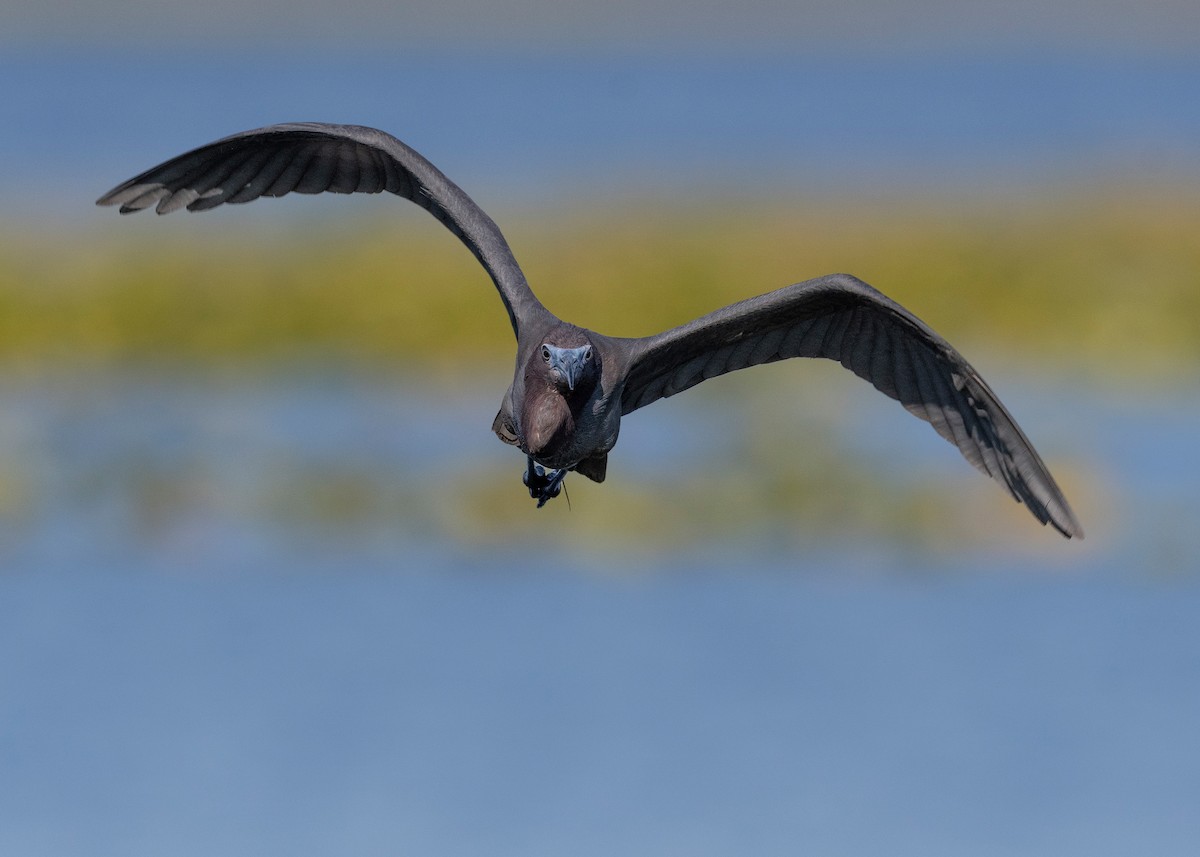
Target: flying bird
(572, 385)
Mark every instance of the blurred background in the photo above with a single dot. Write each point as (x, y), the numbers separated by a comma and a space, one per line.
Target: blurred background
(269, 584)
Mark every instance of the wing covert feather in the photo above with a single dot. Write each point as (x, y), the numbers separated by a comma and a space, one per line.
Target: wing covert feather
(839, 317)
(311, 157)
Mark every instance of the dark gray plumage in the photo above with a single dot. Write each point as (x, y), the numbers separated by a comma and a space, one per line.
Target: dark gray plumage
(573, 385)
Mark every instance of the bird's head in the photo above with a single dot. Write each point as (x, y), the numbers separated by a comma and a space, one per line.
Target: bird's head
(570, 369)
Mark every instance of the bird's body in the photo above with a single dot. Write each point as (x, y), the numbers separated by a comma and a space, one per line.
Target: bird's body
(558, 425)
(571, 386)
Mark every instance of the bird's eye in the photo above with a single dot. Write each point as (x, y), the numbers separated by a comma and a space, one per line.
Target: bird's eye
(546, 354)
(587, 354)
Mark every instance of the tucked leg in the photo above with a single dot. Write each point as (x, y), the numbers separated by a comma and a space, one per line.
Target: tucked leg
(544, 485)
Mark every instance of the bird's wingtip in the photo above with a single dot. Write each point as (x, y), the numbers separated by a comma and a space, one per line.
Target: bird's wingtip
(1069, 526)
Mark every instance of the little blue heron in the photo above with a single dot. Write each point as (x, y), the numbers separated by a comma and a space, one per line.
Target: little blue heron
(572, 385)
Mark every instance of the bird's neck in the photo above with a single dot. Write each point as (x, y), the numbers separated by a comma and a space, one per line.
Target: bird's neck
(548, 420)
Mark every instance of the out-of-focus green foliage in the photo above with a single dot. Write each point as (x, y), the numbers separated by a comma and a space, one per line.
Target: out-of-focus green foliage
(1104, 280)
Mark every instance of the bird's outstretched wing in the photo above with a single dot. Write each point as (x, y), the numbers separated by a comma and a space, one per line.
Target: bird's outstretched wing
(311, 157)
(842, 318)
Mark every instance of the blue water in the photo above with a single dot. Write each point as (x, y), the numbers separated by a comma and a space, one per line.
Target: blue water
(191, 665)
(467, 711)
(519, 130)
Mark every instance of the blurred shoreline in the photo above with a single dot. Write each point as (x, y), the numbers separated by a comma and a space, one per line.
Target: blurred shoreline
(1101, 283)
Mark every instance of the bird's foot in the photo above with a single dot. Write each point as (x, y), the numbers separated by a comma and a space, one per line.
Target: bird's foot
(544, 485)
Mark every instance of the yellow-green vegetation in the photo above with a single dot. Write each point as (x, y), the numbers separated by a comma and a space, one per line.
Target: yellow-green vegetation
(1106, 281)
